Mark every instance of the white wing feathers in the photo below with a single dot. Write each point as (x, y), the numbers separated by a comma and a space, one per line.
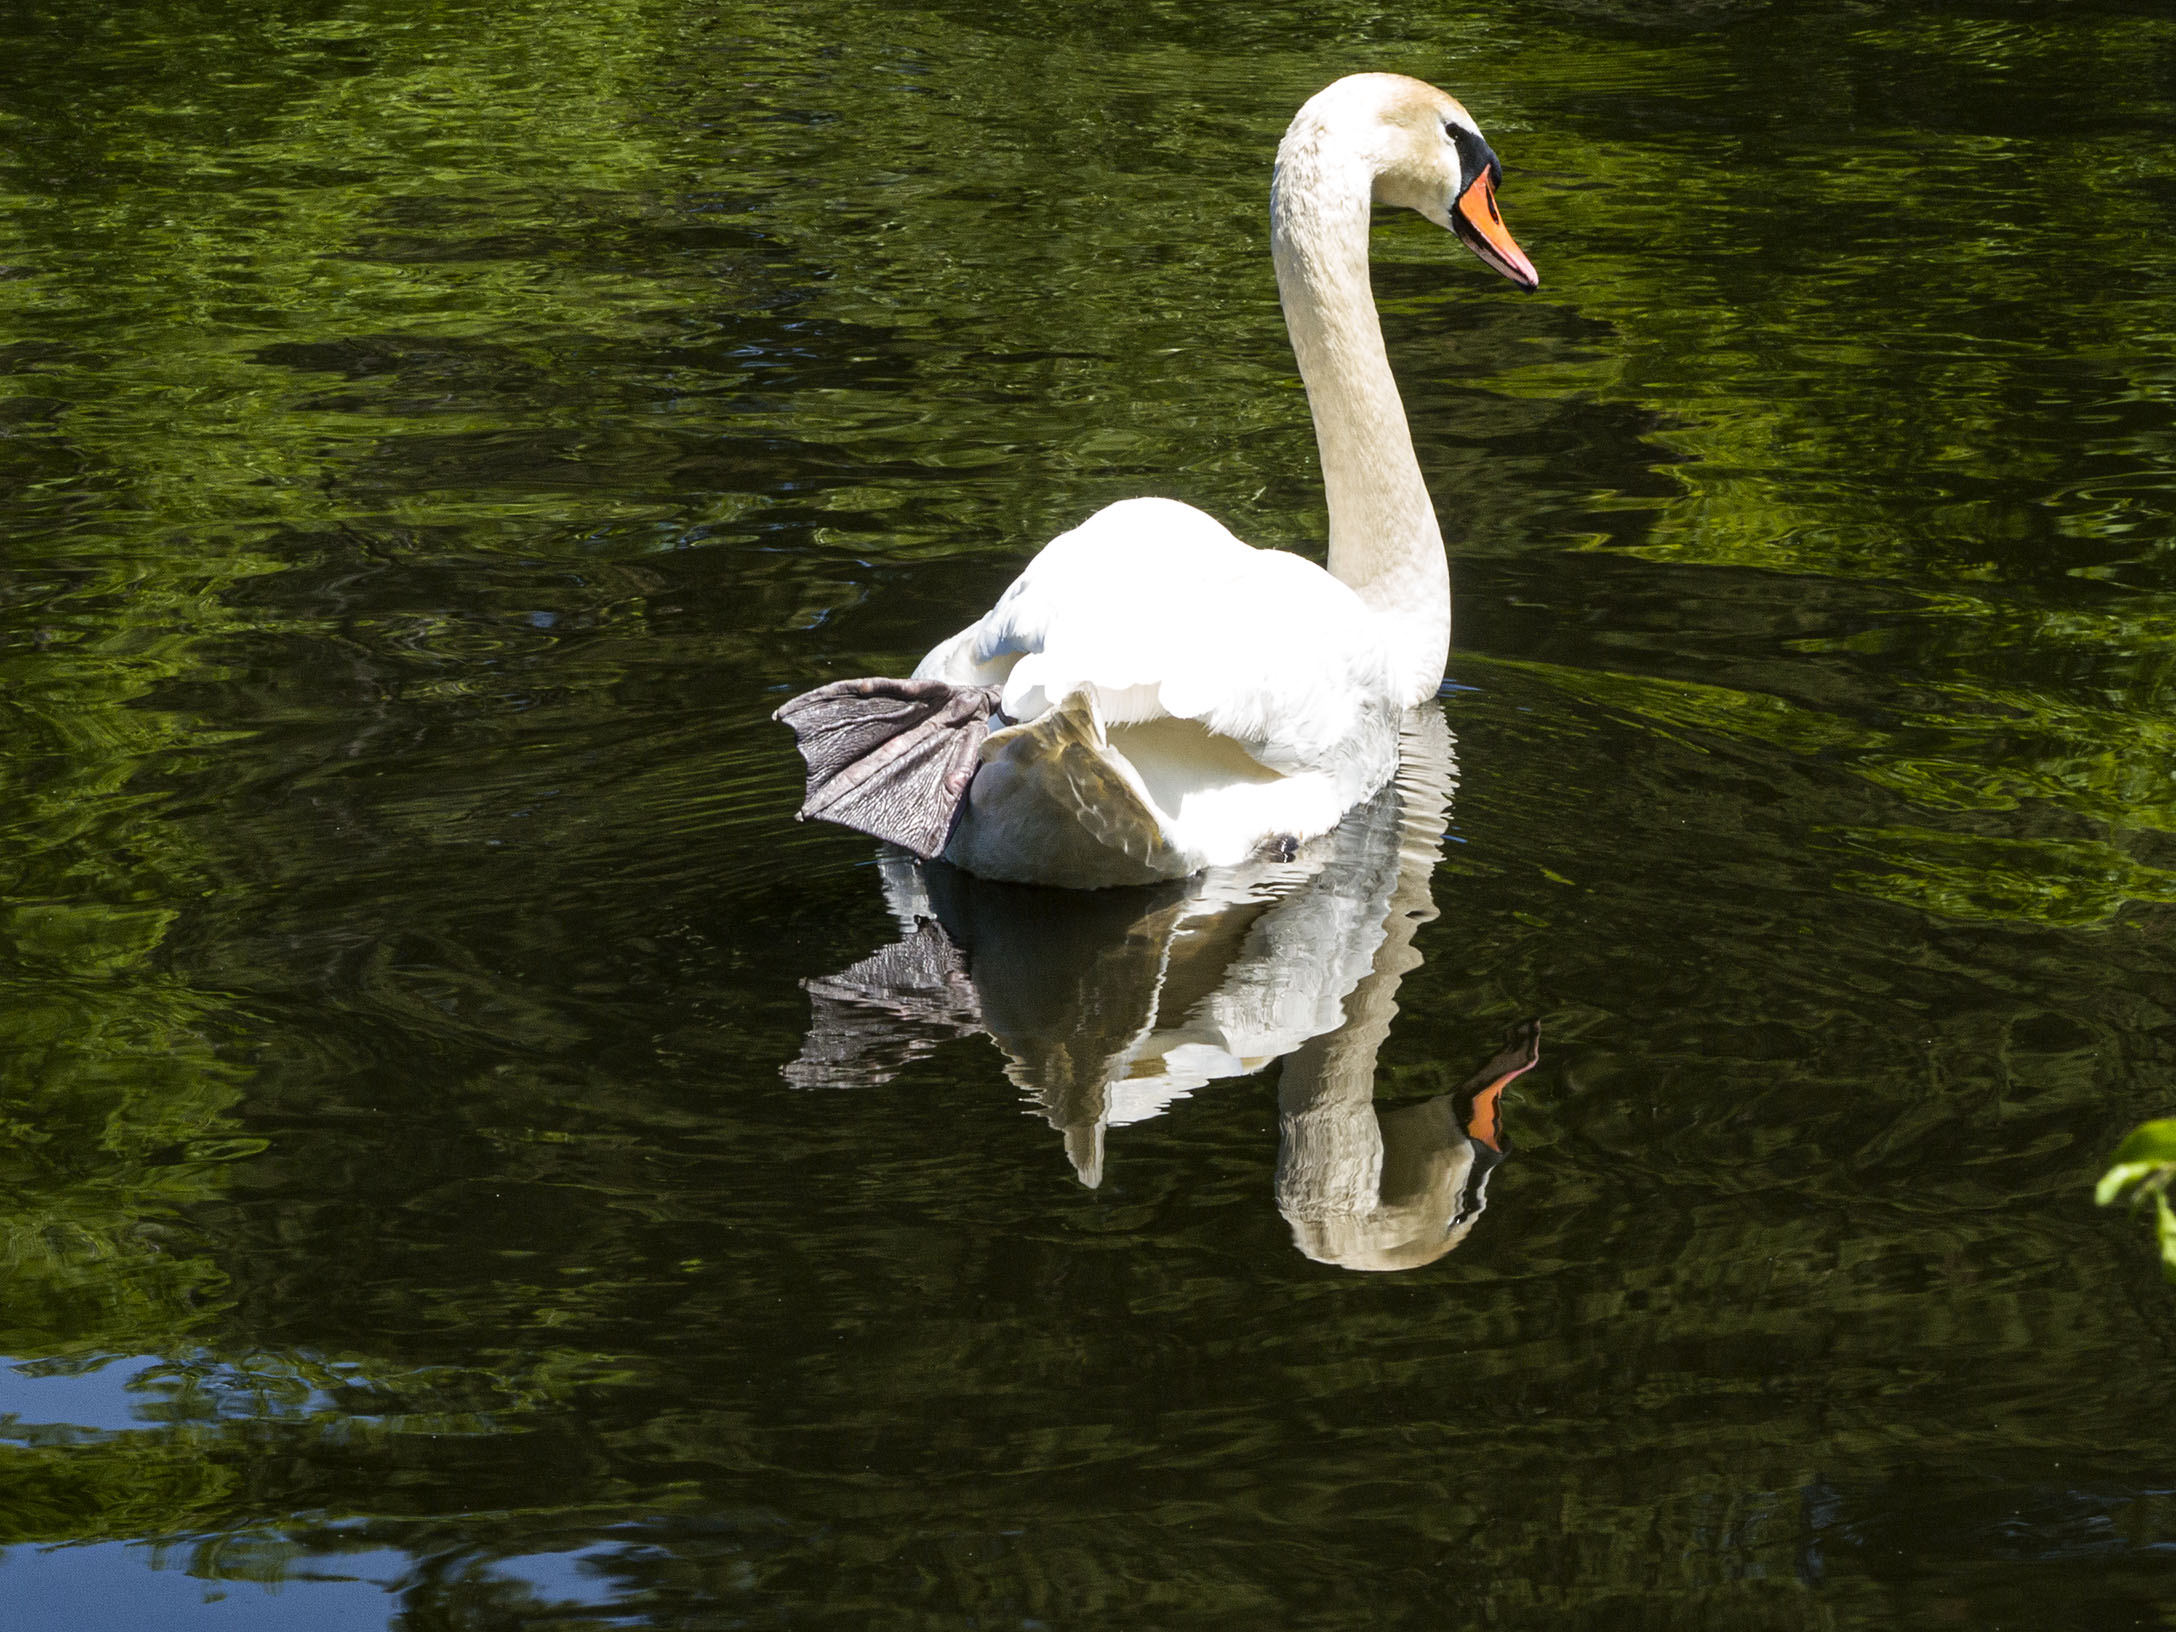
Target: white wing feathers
(1161, 610)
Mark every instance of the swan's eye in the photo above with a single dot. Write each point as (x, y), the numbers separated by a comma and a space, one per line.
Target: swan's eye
(1474, 157)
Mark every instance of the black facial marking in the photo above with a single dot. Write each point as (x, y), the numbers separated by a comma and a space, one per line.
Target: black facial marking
(1475, 158)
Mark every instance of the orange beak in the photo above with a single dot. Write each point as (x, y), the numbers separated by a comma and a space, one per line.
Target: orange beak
(1480, 225)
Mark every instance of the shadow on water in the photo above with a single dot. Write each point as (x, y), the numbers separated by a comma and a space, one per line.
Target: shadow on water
(1110, 1005)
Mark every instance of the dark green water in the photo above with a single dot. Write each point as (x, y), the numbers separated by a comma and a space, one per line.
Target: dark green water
(436, 434)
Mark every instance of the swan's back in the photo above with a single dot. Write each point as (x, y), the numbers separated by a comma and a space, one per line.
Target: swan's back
(1176, 698)
(1159, 609)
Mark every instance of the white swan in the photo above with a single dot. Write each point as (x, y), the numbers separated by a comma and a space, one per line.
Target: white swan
(1152, 696)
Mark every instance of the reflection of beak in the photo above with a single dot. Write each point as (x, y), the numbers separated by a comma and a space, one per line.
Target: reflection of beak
(1480, 224)
(1485, 1120)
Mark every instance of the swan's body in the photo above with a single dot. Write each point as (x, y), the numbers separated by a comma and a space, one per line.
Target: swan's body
(1244, 695)
(1167, 698)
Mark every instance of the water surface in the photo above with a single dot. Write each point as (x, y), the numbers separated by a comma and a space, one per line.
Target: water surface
(434, 436)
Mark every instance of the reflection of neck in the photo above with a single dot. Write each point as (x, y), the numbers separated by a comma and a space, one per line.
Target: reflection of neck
(1384, 540)
(1330, 1156)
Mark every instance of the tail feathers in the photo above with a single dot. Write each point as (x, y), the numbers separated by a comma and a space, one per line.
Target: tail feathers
(891, 758)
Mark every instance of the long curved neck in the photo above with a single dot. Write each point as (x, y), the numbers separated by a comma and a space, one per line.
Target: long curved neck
(1384, 540)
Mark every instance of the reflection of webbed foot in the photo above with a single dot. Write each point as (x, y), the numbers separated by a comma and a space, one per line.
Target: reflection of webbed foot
(891, 758)
(870, 1021)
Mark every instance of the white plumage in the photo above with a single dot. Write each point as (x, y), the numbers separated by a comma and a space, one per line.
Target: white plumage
(1243, 697)
(1151, 696)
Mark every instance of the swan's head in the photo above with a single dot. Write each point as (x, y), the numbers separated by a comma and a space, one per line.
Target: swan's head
(1424, 152)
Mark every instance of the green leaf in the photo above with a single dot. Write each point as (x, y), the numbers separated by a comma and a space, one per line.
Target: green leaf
(2165, 1228)
(2119, 1179)
(2153, 1143)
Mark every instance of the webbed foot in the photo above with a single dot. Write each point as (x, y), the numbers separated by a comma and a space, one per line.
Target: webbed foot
(891, 758)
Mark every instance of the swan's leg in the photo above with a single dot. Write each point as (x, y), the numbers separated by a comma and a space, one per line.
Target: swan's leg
(891, 758)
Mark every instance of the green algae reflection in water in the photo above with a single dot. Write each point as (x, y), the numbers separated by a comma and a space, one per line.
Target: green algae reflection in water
(434, 437)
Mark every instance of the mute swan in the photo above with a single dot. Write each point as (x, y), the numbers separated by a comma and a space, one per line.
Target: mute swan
(1151, 696)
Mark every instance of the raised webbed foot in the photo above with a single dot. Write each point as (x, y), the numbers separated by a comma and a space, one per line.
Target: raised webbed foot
(891, 758)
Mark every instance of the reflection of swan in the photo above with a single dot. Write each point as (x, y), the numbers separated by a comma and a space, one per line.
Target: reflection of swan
(1167, 698)
(1109, 1006)
(1395, 1190)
